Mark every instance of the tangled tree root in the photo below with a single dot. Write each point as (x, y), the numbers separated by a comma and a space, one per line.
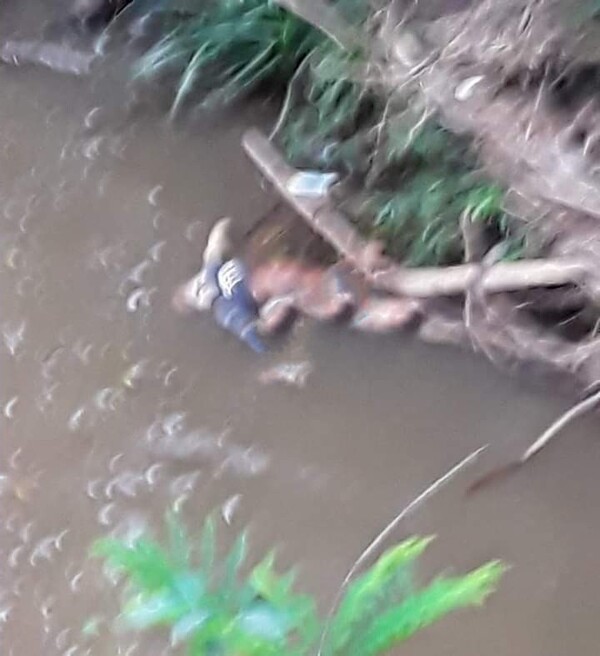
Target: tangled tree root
(490, 320)
(521, 79)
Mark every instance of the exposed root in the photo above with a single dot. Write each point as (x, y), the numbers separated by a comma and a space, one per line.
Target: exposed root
(493, 321)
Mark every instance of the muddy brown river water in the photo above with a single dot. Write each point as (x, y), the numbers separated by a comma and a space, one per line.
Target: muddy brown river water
(114, 408)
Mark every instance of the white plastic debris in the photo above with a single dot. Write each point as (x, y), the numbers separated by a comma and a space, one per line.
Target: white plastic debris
(311, 184)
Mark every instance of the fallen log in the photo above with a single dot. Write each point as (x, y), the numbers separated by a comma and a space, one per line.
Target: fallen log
(388, 276)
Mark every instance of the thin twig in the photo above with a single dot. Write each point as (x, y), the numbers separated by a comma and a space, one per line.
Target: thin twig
(536, 107)
(391, 526)
(578, 410)
(289, 96)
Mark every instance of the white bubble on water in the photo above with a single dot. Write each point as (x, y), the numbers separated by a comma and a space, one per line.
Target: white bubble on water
(153, 196)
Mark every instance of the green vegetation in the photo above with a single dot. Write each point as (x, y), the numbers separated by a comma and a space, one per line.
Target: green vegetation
(227, 48)
(220, 607)
(411, 180)
(332, 111)
(428, 185)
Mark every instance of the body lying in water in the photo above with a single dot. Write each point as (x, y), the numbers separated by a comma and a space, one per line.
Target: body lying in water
(259, 302)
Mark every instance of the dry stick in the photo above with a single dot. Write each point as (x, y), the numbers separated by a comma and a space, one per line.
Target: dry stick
(290, 96)
(426, 282)
(578, 410)
(383, 534)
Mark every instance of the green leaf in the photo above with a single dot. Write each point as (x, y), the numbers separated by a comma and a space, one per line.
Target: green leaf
(265, 622)
(189, 587)
(425, 607)
(484, 201)
(188, 625)
(208, 546)
(269, 585)
(255, 71)
(189, 77)
(179, 548)
(233, 562)
(380, 582)
(143, 561)
(159, 609)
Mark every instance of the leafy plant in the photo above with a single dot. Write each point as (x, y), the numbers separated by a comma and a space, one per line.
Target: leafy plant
(329, 116)
(214, 609)
(418, 178)
(228, 47)
(428, 182)
(415, 179)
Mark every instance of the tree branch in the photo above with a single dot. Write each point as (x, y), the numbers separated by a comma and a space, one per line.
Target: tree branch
(383, 274)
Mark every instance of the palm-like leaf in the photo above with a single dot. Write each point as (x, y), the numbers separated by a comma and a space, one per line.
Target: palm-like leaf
(229, 47)
(423, 608)
(212, 609)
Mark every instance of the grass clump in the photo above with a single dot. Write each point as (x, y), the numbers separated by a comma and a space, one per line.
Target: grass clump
(429, 181)
(410, 179)
(409, 185)
(218, 606)
(227, 48)
(325, 124)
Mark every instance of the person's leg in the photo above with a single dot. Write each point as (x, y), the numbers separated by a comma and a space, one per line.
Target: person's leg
(198, 293)
(239, 320)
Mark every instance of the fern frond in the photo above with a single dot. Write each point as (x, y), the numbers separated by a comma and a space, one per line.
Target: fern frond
(423, 608)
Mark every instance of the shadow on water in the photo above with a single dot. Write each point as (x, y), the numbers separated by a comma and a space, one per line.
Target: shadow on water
(114, 408)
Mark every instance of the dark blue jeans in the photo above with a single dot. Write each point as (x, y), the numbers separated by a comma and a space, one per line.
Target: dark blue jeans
(240, 319)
